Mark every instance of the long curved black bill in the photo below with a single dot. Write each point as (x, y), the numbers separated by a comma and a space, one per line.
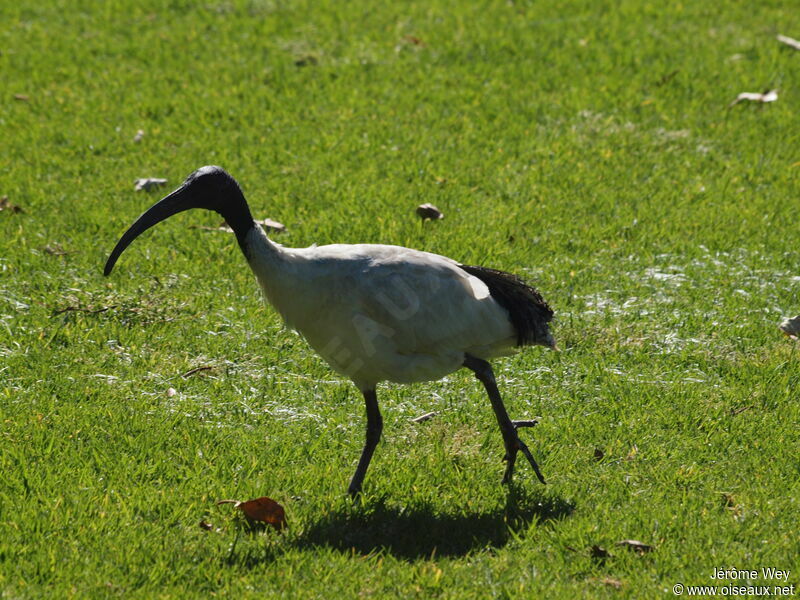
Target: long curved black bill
(174, 203)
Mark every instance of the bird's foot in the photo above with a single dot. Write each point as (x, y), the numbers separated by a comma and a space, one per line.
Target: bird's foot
(513, 445)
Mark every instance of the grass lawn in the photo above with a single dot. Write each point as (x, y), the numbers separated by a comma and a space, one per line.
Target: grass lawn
(587, 145)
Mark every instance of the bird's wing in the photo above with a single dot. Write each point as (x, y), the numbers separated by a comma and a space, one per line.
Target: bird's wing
(377, 313)
(430, 304)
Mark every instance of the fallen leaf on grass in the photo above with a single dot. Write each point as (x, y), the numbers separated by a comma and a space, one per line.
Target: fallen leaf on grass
(791, 327)
(148, 183)
(206, 525)
(269, 224)
(409, 41)
(632, 454)
(263, 510)
(272, 225)
(207, 228)
(307, 60)
(423, 418)
(667, 78)
(55, 250)
(598, 454)
(88, 310)
(636, 546)
(429, 211)
(191, 372)
(785, 39)
(6, 205)
(22, 97)
(729, 502)
(611, 582)
(768, 96)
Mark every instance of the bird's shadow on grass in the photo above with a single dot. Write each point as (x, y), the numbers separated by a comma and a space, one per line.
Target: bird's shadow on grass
(422, 531)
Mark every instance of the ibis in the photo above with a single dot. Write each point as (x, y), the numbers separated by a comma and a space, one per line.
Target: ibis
(378, 312)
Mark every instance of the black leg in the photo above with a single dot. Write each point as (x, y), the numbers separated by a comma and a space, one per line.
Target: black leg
(374, 428)
(483, 371)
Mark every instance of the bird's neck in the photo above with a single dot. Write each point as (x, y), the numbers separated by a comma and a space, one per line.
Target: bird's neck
(236, 212)
(275, 269)
(267, 259)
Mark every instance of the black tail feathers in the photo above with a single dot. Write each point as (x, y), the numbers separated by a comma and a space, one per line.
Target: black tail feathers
(527, 310)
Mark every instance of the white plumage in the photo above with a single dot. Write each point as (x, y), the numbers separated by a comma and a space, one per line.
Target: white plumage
(377, 312)
(381, 313)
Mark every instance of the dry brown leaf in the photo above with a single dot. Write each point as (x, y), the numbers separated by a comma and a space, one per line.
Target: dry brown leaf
(429, 211)
(785, 39)
(148, 183)
(224, 228)
(611, 582)
(636, 546)
(423, 418)
(267, 223)
(768, 96)
(88, 310)
(6, 205)
(22, 97)
(263, 510)
(791, 327)
(729, 502)
(632, 454)
(191, 372)
(667, 78)
(414, 40)
(55, 250)
(272, 225)
(307, 60)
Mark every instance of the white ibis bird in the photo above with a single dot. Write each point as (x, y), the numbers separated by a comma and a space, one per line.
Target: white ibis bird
(377, 313)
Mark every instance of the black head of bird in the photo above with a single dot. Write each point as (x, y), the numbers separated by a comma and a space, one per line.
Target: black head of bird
(210, 188)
